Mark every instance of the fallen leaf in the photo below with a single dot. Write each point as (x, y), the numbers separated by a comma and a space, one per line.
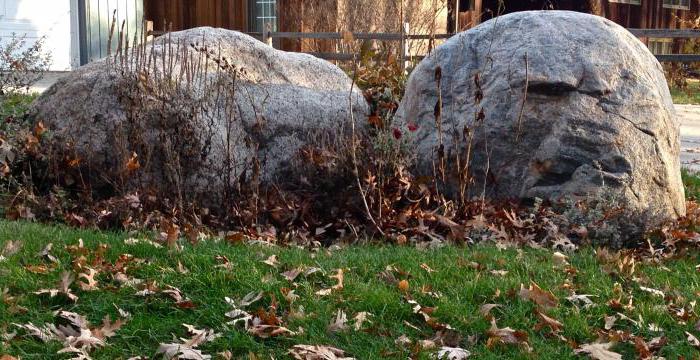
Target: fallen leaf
(272, 261)
(45, 253)
(560, 259)
(499, 272)
(133, 162)
(88, 282)
(38, 269)
(610, 322)
(427, 268)
(578, 299)
(291, 275)
(187, 348)
(181, 268)
(654, 292)
(546, 321)
(598, 351)
(62, 289)
(11, 247)
(542, 298)
(403, 341)
(339, 323)
(267, 331)
(693, 340)
(506, 336)
(317, 352)
(485, 310)
(339, 276)
(361, 318)
(452, 353)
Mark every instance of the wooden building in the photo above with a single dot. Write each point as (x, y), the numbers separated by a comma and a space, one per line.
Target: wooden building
(294, 15)
(641, 14)
(252, 16)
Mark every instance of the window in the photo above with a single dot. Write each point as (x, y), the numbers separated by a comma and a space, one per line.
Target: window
(466, 5)
(633, 2)
(264, 13)
(659, 46)
(677, 4)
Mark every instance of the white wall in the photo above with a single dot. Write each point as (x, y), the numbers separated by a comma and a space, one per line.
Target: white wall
(50, 18)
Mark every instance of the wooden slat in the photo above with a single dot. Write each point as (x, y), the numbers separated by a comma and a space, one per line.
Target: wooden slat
(357, 36)
(666, 33)
(685, 58)
(332, 56)
(347, 57)
(95, 38)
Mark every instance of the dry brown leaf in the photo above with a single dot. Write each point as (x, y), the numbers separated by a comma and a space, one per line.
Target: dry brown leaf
(543, 299)
(133, 162)
(88, 282)
(339, 276)
(45, 253)
(403, 285)
(452, 353)
(560, 259)
(654, 292)
(77, 336)
(506, 336)
(643, 351)
(39, 268)
(339, 323)
(361, 318)
(581, 299)
(499, 272)
(289, 295)
(485, 310)
(108, 328)
(693, 340)
(181, 268)
(187, 348)
(427, 268)
(598, 351)
(317, 352)
(610, 322)
(11, 247)
(224, 262)
(546, 321)
(267, 331)
(63, 288)
(272, 261)
(292, 274)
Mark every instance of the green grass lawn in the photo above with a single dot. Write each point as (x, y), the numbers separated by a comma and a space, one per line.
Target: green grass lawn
(456, 281)
(691, 95)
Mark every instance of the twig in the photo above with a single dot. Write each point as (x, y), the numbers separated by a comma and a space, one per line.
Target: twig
(522, 105)
(354, 153)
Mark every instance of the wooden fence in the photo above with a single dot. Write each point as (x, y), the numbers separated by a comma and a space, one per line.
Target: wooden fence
(267, 37)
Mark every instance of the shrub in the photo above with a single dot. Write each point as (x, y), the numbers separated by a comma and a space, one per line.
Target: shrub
(21, 64)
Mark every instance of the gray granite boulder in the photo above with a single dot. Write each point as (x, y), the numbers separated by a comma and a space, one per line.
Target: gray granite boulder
(203, 110)
(557, 104)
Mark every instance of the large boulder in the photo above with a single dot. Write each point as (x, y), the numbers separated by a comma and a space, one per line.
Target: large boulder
(555, 104)
(196, 113)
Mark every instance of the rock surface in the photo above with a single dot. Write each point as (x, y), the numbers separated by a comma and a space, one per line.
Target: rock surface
(597, 113)
(201, 109)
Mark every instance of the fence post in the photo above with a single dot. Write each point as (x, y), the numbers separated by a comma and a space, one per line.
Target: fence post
(267, 35)
(405, 30)
(148, 30)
